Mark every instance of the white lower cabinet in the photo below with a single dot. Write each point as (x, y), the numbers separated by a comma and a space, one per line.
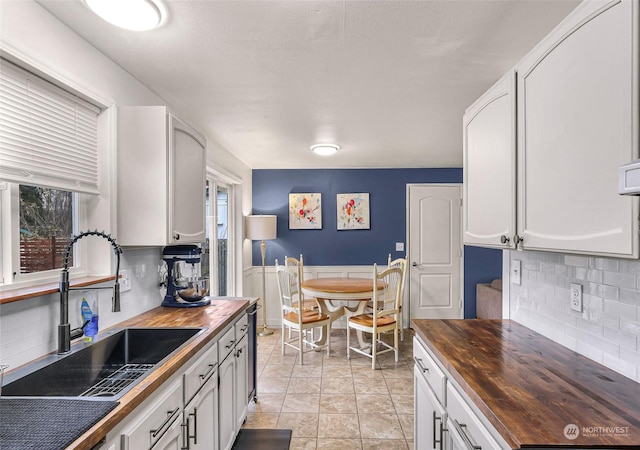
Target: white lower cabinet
(200, 407)
(234, 391)
(157, 424)
(443, 416)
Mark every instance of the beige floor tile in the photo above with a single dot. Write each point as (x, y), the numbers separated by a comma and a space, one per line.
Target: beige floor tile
(309, 385)
(384, 444)
(307, 370)
(380, 426)
(406, 421)
(365, 371)
(261, 420)
(302, 444)
(400, 386)
(304, 403)
(277, 370)
(337, 385)
(375, 404)
(300, 424)
(291, 357)
(403, 403)
(401, 370)
(272, 385)
(337, 371)
(339, 444)
(369, 386)
(410, 444)
(338, 404)
(338, 426)
(267, 403)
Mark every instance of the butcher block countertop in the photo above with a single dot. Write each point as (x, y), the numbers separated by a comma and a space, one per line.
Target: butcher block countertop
(530, 388)
(214, 317)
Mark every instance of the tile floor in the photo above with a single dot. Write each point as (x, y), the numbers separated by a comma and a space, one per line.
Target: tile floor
(332, 402)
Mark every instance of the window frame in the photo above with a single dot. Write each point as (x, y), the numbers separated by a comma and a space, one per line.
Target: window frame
(91, 256)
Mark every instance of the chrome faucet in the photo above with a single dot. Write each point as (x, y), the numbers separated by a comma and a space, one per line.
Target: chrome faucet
(65, 334)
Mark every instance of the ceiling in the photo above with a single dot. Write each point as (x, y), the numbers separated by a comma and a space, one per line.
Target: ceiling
(388, 81)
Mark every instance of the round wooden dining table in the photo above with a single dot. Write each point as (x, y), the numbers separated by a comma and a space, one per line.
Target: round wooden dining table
(328, 290)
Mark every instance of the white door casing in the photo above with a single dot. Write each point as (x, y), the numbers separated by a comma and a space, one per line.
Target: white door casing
(435, 251)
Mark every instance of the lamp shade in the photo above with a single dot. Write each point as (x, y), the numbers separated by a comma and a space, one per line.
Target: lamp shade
(261, 227)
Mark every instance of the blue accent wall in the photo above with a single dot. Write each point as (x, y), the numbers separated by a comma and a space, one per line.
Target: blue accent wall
(328, 246)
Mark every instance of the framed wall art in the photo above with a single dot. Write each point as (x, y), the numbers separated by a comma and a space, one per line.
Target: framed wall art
(305, 211)
(353, 211)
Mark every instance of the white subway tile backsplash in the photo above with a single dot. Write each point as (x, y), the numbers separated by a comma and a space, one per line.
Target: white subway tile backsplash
(608, 328)
(624, 280)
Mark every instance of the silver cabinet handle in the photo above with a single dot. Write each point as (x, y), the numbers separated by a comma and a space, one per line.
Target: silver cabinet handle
(176, 236)
(504, 239)
(420, 365)
(195, 426)
(436, 441)
(167, 421)
(462, 429)
(517, 240)
(230, 344)
(205, 376)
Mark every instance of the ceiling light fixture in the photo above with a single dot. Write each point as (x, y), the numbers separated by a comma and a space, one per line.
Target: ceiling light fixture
(137, 15)
(325, 149)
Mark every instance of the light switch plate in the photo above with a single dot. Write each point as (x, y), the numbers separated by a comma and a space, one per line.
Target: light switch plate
(399, 246)
(516, 275)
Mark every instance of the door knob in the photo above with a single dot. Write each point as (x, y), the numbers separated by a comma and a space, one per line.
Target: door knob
(414, 264)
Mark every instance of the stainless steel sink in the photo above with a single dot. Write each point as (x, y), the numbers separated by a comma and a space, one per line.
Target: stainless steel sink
(107, 368)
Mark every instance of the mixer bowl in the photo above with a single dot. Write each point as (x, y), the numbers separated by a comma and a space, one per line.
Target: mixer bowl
(192, 290)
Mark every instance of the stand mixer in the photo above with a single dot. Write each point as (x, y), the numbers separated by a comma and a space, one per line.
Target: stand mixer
(184, 291)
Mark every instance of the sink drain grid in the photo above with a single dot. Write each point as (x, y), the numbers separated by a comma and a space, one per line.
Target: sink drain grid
(117, 381)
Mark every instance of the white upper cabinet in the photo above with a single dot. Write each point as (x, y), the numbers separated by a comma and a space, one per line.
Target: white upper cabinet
(577, 123)
(161, 178)
(490, 167)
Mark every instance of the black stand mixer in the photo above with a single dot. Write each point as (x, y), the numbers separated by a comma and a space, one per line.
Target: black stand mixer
(184, 291)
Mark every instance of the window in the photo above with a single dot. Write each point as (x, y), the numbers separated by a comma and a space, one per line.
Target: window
(48, 163)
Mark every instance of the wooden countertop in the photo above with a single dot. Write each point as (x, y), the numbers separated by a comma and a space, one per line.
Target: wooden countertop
(214, 317)
(530, 387)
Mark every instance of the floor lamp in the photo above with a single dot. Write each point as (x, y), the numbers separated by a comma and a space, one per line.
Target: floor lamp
(261, 228)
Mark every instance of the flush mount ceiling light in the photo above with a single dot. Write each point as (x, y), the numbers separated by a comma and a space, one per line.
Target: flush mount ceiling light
(137, 15)
(324, 149)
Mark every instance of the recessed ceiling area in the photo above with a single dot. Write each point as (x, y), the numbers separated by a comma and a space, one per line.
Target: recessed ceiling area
(387, 81)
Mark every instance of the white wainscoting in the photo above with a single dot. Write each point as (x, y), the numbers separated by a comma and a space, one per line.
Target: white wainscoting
(252, 278)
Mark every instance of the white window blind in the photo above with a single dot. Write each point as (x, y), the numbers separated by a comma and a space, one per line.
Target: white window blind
(48, 137)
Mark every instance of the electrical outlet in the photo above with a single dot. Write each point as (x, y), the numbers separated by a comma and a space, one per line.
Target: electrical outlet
(516, 275)
(399, 246)
(125, 280)
(576, 297)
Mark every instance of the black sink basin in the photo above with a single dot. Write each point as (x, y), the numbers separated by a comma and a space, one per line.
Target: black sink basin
(107, 368)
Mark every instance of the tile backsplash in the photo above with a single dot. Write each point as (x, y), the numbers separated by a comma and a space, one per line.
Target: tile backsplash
(608, 328)
(28, 328)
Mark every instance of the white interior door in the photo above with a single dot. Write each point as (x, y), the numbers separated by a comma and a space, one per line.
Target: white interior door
(435, 251)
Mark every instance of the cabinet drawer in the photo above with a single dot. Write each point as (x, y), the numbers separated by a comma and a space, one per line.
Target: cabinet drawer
(429, 370)
(155, 419)
(241, 326)
(199, 373)
(226, 343)
(464, 425)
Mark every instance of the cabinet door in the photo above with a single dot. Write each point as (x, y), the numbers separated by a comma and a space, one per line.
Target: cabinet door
(171, 439)
(490, 167)
(429, 414)
(577, 123)
(242, 393)
(201, 418)
(155, 424)
(186, 184)
(226, 403)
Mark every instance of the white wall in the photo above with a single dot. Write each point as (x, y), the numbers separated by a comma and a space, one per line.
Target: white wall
(30, 33)
(608, 328)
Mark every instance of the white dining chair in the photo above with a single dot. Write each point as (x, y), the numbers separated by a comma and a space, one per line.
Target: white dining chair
(382, 319)
(295, 317)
